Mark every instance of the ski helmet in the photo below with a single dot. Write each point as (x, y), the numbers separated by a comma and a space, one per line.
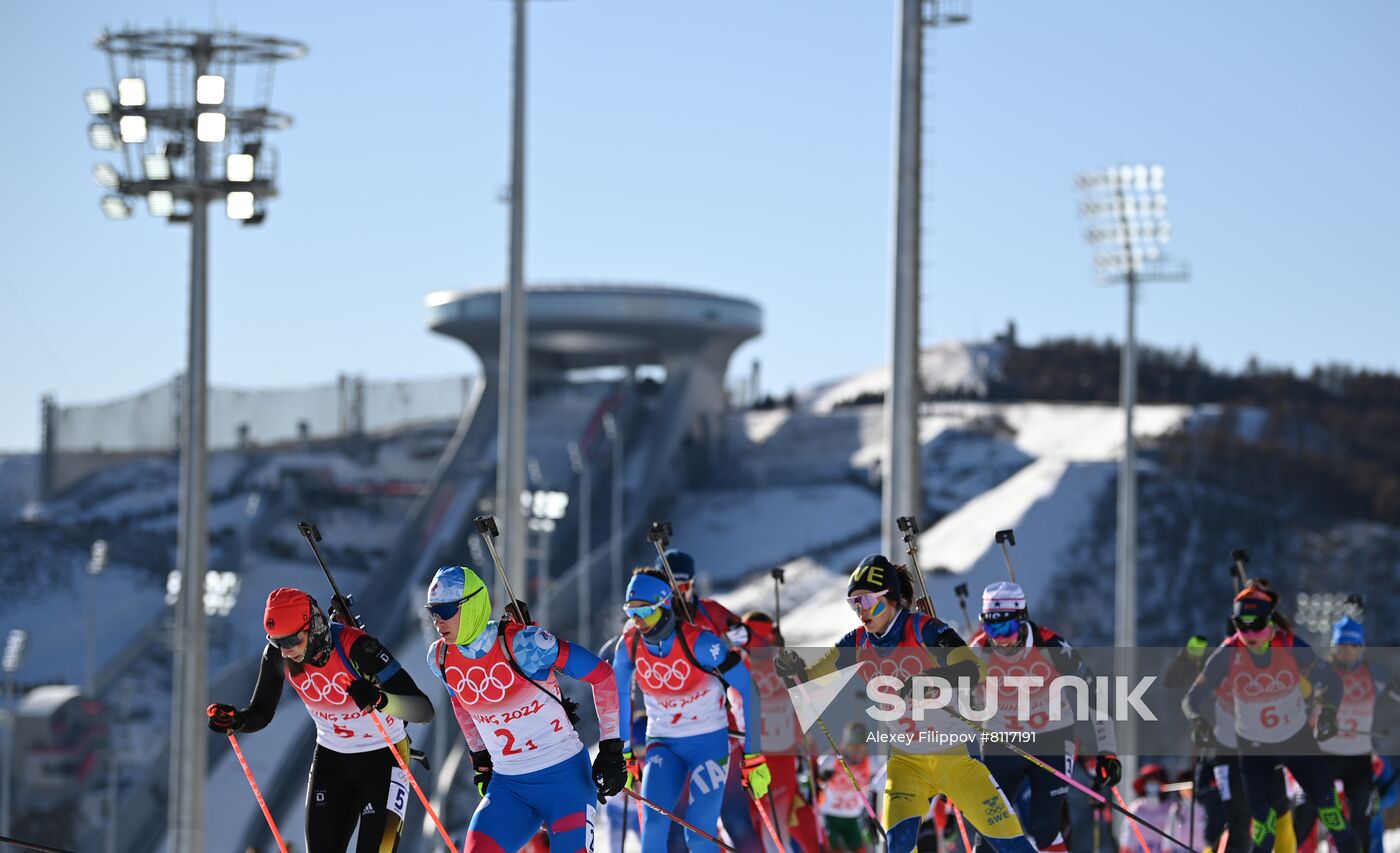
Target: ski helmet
(291, 611)
(1348, 632)
(460, 584)
(682, 565)
(1254, 607)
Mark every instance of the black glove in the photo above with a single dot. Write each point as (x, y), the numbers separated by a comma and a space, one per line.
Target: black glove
(225, 719)
(790, 667)
(1109, 770)
(481, 761)
(1326, 723)
(609, 769)
(1202, 734)
(366, 695)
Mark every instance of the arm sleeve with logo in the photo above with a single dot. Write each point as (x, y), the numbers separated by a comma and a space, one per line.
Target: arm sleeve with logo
(405, 700)
(1069, 662)
(622, 679)
(578, 662)
(266, 693)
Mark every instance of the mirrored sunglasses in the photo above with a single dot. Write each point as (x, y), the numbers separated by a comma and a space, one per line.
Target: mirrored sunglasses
(1254, 626)
(864, 601)
(445, 610)
(644, 612)
(288, 642)
(1000, 628)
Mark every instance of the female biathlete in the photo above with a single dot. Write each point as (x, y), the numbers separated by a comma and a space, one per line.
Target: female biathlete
(895, 641)
(682, 671)
(530, 766)
(340, 673)
(1262, 669)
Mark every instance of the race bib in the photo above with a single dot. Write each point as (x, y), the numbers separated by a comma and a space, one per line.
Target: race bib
(398, 792)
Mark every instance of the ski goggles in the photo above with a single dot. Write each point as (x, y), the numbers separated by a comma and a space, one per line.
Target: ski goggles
(1001, 625)
(445, 610)
(864, 601)
(290, 641)
(1253, 626)
(643, 612)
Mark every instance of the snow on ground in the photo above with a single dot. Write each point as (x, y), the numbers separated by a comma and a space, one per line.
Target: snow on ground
(731, 532)
(948, 365)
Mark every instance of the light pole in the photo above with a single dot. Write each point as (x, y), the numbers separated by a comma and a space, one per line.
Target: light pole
(97, 561)
(581, 466)
(613, 430)
(1125, 208)
(900, 490)
(15, 643)
(515, 369)
(175, 145)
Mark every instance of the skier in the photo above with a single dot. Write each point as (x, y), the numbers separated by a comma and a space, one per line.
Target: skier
(1263, 667)
(1349, 753)
(736, 810)
(683, 671)
(842, 809)
(341, 674)
(1016, 645)
(530, 766)
(895, 641)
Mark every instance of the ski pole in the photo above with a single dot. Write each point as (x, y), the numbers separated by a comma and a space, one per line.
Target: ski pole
(1138, 832)
(962, 827)
(486, 526)
(1191, 824)
(909, 530)
(1239, 559)
(643, 801)
(403, 765)
(841, 759)
(339, 601)
(961, 592)
(252, 783)
(778, 578)
(1004, 537)
(29, 845)
(767, 821)
(660, 536)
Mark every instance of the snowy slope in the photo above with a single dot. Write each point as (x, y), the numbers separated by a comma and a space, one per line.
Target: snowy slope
(948, 365)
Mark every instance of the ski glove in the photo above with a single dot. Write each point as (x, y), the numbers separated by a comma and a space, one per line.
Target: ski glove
(481, 761)
(609, 769)
(790, 667)
(757, 776)
(1109, 769)
(738, 636)
(224, 719)
(366, 695)
(1326, 723)
(1201, 733)
(634, 768)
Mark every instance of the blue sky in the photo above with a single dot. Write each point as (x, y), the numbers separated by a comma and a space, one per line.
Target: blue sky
(743, 147)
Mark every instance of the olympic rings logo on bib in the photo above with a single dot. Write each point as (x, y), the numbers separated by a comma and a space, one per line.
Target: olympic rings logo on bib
(902, 668)
(1358, 689)
(319, 687)
(478, 684)
(1264, 684)
(662, 674)
(1039, 669)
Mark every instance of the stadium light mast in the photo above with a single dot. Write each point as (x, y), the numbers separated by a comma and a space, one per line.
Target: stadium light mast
(900, 492)
(1125, 209)
(175, 145)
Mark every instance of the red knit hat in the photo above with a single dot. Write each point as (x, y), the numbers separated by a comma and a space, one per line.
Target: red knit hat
(1150, 770)
(288, 611)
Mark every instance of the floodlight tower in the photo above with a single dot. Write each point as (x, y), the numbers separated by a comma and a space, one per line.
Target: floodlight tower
(15, 643)
(900, 493)
(1125, 208)
(175, 145)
